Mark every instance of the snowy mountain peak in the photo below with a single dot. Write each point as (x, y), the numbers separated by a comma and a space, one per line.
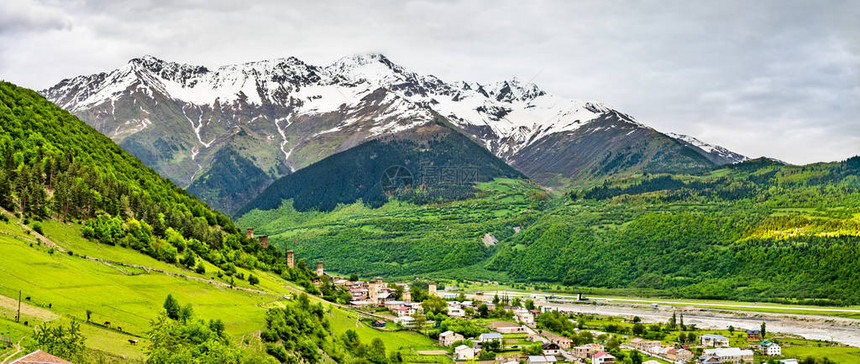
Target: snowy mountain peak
(722, 154)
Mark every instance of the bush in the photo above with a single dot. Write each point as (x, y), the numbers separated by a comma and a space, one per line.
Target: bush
(253, 280)
(37, 227)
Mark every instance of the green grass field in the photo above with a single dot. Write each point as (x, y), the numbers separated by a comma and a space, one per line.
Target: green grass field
(62, 287)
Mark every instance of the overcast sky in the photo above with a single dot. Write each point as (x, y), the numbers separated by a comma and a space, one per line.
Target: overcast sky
(780, 78)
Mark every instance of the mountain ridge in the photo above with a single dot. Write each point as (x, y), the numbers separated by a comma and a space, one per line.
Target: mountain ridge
(284, 115)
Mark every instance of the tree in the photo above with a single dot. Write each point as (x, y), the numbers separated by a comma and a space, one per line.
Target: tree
(496, 299)
(763, 329)
(636, 319)
(64, 342)
(171, 305)
(530, 304)
(89, 314)
(731, 330)
(253, 280)
(635, 358)
(483, 311)
(638, 329)
(376, 352)
(673, 321)
(434, 304)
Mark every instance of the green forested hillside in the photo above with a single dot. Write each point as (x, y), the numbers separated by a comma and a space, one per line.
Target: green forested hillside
(755, 231)
(96, 241)
(437, 158)
(758, 230)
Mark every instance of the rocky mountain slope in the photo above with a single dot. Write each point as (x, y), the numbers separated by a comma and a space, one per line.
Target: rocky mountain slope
(264, 120)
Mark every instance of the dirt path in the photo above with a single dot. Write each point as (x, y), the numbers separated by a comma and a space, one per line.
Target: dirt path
(17, 350)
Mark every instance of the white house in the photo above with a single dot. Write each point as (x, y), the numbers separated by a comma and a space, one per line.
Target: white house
(602, 358)
(449, 337)
(542, 359)
(405, 321)
(456, 312)
(525, 316)
(489, 337)
(464, 352)
(731, 355)
(771, 348)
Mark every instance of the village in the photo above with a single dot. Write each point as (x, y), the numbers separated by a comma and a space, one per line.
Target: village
(483, 327)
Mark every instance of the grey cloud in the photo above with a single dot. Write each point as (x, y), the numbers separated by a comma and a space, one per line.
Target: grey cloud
(776, 78)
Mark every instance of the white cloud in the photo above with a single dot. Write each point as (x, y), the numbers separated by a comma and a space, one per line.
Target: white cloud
(762, 78)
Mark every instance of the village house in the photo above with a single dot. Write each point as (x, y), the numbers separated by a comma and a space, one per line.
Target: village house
(754, 335)
(551, 349)
(563, 342)
(679, 355)
(393, 305)
(770, 348)
(730, 355)
(541, 359)
(490, 337)
(511, 330)
(41, 357)
(404, 311)
(525, 316)
(464, 352)
(602, 358)
(714, 341)
(448, 338)
(405, 321)
(456, 312)
(587, 350)
(644, 345)
(378, 323)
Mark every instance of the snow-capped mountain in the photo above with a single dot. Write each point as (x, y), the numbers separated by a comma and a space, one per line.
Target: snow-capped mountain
(715, 153)
(281, 115)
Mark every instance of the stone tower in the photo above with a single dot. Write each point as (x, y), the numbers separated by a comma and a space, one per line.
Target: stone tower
(407, 295)
(379, 282)
(291, 259)
(319, 268)
(249, 233)
(432, 289)
(264, 241)
(373, 293)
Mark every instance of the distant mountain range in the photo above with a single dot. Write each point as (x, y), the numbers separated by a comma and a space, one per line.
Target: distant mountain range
(227, 134)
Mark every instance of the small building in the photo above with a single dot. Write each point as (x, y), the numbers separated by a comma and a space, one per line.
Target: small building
(511, 330)
(405, 321)
(730, 355)
(378, 323)
(587, 351)
(404, 311)
(770, 348)
(788, 361)
(542, 359)
(644, 345)
(679, 355)
(602, 358)
(551, 349)
(714, 341)
(525, 316)
(563, 342)
(449, 337)
(42, 357)
(490, 337)
(456, 312)
(464, 352)
(753, 335)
